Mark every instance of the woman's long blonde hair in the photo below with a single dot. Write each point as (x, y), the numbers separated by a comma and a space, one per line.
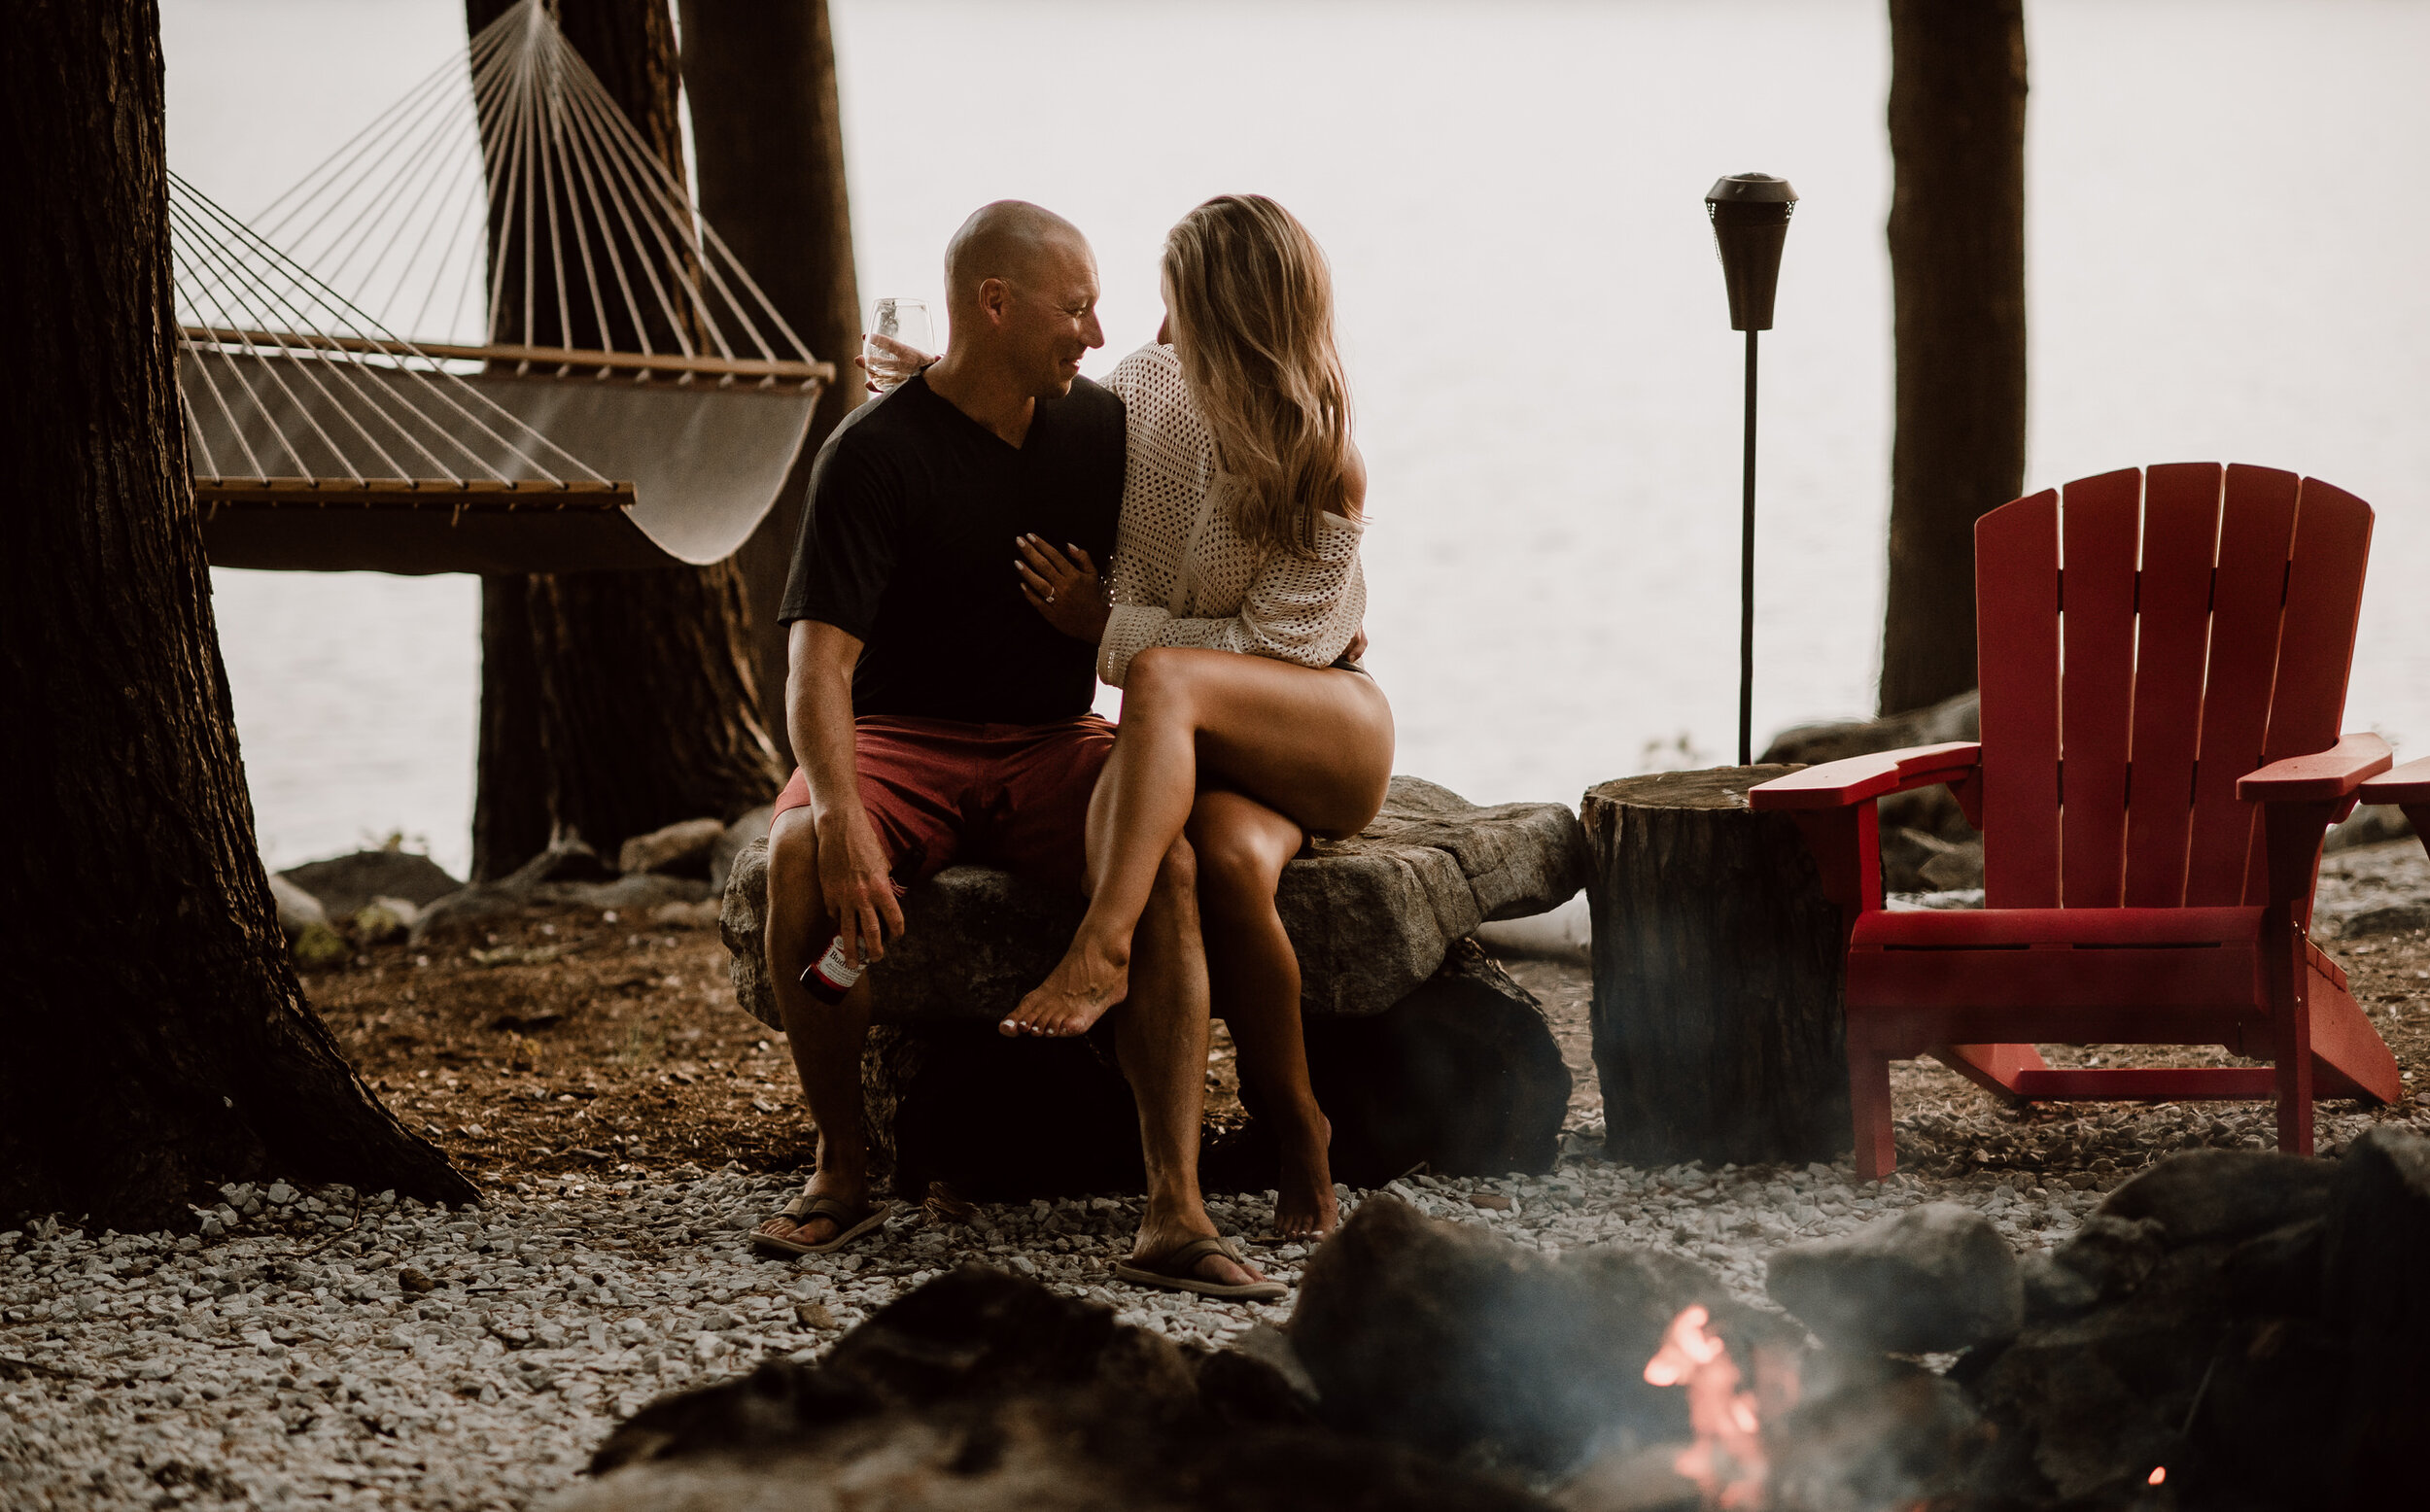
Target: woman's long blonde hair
(1252, 307)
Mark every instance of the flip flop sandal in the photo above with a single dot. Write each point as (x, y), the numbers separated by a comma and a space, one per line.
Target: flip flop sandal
(850, 1224)
(1173, 1272)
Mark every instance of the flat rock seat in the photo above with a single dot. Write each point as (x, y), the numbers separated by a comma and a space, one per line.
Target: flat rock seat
(1420, 1049)
(1372, 918)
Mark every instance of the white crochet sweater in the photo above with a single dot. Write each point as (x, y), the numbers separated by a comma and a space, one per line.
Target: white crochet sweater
(1184, 575)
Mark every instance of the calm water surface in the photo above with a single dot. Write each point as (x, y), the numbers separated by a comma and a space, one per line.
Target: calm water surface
(2225, 236)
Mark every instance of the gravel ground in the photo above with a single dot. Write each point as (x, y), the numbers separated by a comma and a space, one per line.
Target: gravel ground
(316, 1349)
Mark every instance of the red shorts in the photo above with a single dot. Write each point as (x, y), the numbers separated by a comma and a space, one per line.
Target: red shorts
(939, 792)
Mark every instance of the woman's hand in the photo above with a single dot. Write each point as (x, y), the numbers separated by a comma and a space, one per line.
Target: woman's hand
(1066, 589)
(896, 363)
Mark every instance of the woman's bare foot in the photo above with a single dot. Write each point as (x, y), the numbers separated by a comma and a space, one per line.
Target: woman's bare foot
(1304, 1193)
(1088, 980)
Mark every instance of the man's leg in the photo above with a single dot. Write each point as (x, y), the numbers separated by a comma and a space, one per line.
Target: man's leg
(1161, 1038)
(826, 1042)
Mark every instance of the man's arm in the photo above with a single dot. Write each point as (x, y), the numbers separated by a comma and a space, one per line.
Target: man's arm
(852, 877)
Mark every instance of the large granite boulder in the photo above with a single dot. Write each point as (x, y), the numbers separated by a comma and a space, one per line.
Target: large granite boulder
(1372, 916)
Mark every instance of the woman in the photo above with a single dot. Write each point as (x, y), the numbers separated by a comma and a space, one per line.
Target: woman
(1242, 508)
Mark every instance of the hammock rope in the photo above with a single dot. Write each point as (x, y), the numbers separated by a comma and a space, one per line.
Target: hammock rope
(516, 148)
(507, 216)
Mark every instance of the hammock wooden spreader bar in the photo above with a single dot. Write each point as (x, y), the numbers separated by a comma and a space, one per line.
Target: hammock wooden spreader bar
(412, 493)
(567, 359)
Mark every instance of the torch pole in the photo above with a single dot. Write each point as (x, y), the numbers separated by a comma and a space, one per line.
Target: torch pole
(1747, 577)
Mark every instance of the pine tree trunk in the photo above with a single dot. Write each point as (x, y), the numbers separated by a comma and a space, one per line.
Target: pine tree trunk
(153, 1040)
(1957, 251)
(769, 138)
(647, 707)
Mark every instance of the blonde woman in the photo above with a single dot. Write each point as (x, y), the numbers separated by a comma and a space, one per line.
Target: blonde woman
(1243, 502)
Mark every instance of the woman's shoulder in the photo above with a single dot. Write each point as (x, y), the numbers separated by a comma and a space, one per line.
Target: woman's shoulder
(1353, 511)
(1151, 371)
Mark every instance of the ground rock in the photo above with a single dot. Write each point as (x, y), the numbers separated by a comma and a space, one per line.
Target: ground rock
(2371, 824)
(297, 909)
(2113, 1254)
(1935, 1277)
(568, 875)
(383, 921)
(346, 884)
(2391, 918)
(1371, 918)
(1957, 718)
(1444, 1335)
(1463, 1075)
(679, 849)
(730, 842)
(2225, 1193)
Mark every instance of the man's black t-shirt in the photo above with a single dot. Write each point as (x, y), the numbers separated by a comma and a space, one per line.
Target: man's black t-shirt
(907, 545)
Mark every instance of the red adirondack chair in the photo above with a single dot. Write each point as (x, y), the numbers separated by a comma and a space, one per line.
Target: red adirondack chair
(2163, 663)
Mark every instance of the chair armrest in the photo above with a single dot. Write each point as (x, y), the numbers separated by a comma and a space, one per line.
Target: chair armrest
(1836, 784)
(2406, 784)
(2336, 773)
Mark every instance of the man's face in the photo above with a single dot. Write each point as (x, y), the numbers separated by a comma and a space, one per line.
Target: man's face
(1051, 319)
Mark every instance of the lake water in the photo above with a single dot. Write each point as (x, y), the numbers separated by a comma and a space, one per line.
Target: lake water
(2226, 228)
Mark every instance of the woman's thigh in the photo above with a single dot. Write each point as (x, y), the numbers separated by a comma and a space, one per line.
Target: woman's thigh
(1313, 743)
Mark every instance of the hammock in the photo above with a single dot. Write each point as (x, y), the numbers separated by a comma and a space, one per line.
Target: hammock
(501, 204)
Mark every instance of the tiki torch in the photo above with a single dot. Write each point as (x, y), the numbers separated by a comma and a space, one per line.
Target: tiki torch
(1749, 214)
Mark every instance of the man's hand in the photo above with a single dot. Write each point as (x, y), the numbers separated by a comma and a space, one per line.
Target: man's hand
(1066, 589)
(896, 362)
(1356, 650)
(854, 884)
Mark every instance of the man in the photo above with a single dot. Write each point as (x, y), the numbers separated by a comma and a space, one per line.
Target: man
(939, 717)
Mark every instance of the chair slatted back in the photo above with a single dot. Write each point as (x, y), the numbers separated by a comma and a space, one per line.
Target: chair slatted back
(2146, 640)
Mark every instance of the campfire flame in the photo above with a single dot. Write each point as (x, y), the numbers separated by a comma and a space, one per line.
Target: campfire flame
(1726, 1462)
(2159, 1472)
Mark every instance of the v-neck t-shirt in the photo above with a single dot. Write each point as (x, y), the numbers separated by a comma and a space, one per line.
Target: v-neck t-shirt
(907, 545)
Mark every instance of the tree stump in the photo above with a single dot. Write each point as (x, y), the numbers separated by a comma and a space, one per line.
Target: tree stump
(1719, 972)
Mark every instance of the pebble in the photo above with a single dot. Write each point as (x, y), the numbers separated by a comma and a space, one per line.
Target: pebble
(338, 1351)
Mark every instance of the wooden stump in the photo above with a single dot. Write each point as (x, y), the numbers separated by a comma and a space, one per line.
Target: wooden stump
(1720, 966)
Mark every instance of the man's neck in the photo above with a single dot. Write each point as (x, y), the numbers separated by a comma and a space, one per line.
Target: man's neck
(987, 395)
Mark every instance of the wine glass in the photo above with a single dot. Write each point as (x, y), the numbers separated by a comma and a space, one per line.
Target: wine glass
(902, 321)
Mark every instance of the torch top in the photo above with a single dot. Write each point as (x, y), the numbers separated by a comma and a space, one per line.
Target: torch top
(1750, 188)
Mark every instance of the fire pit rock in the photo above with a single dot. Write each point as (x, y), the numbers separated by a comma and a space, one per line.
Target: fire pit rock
(1446, 1337)
(1936, 1277)
(985, 1392)
(1371, 918)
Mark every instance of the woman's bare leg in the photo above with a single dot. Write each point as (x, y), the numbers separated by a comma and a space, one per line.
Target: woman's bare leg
(1312, 743)
(1241, 846)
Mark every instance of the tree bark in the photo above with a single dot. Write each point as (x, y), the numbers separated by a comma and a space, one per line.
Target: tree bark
(1957, 251)
(1718, 1009)
(768, 136)
(647, 708)
(153, 1040)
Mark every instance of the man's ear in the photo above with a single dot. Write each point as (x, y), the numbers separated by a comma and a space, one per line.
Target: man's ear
(994, 296)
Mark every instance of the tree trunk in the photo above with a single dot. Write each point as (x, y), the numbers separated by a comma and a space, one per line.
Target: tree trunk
(646, 698)
(768, 139)
(152, 1039)
(1957, 253)
(1719, 1022)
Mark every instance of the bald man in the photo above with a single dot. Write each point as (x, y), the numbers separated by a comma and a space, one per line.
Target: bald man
(939, 718)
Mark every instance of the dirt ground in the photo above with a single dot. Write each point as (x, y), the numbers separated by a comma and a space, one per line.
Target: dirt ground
(570, 1045)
